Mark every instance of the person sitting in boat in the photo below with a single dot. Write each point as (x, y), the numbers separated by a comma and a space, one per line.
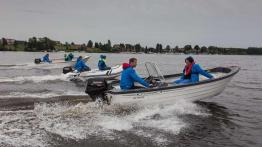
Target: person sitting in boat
(46, 58)
(129, 76)
(80, 65)
(102, 63)
(69, 57)
(191, 72)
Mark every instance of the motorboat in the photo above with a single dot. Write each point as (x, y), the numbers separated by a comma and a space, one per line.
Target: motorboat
(61, 61)
(164, 91)
(112, 73)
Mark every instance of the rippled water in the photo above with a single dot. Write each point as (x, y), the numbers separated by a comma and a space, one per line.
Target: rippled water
(39, 106)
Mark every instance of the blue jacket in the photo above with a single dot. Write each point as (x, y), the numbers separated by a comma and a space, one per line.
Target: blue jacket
(128, 77)
(102, 64)
(69, 57)
(80, 65)
(46, 59)
(195, 71)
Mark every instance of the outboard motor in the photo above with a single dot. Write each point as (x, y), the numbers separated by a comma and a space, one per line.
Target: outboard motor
(96, 88)
(67, 69)
(37, 60)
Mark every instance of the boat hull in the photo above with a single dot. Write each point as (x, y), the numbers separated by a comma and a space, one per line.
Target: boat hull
(190, 93)
(96, 73)
(206, 88)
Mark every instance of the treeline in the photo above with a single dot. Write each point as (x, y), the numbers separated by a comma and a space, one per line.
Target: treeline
(46, 44)
(33, 44)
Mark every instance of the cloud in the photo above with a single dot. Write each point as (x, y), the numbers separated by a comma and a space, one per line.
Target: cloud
(234, 23)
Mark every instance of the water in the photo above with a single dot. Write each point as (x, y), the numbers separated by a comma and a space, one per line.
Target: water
(39, 106)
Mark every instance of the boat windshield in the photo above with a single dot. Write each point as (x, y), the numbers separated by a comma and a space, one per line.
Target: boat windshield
(153, 71)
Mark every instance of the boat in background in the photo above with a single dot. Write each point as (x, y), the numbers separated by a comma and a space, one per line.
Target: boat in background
(61, 61)
(112, 73)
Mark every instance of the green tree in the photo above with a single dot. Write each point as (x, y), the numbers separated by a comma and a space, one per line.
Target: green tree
(100, 45)
(108, 46)
(82, 47)
(138, 47)
(203, 49)
(168, 48)
(212, 50)
(146, 50)
(90, 44)
(254, 51)
(197, 49)
(159, 48)
(122, 47)
(4, 42)
(96, 45)
(45, 44)
(67, 46)
(15, 44)
(187, 49)
(129, 47)
(176, 50)
(109, 43)
(32, 44)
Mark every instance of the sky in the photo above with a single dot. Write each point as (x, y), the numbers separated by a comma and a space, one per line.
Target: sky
(224, 23)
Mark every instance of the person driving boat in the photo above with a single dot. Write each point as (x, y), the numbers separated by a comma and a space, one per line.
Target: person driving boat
(102, 63)
(191, 72)
(69, 57)
(80, 65)
(46, 58)
(129, 76)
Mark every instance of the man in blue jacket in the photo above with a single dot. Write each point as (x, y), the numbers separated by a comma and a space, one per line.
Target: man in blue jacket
(129, 76)
(80, 65)
(46, 58)
(191, 72)
(102, 63)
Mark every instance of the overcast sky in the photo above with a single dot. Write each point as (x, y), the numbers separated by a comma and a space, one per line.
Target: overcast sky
(227, 23)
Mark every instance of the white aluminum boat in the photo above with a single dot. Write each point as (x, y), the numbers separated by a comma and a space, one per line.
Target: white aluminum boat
(96, 73)
(165, 91)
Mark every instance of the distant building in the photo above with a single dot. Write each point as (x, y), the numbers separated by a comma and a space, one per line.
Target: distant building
(76, 47)
(10, 41)
(20, 42)
(116, 46)
(57, 42)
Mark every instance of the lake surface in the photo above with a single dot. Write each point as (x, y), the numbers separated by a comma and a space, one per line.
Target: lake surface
(39, 106)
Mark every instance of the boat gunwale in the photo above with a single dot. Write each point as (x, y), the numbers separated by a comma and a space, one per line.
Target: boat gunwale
(233, 70)
(97, 70)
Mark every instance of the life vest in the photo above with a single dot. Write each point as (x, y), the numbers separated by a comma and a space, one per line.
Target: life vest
(188, 71)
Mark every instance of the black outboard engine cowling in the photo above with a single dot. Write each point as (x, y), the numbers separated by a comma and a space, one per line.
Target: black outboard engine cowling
(96, 88)
(67, 69)
(37, 60)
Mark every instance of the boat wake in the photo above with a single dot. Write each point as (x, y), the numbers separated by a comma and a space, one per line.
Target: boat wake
(12, 65)
(29, 66)
(34, 79)
(83, 121)
(42, 94)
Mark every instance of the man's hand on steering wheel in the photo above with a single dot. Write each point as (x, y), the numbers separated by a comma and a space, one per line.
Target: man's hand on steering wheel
(149, 79)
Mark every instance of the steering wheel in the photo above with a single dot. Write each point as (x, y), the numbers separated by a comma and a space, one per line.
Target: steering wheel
(151, 80)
